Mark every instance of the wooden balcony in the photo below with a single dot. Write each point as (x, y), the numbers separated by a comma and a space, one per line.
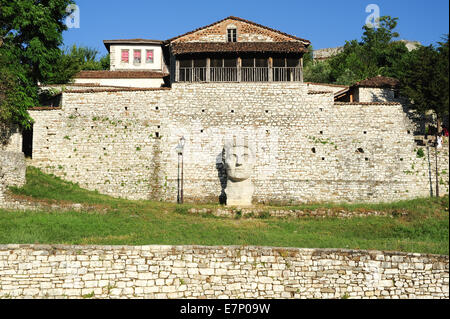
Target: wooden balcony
(240, 74)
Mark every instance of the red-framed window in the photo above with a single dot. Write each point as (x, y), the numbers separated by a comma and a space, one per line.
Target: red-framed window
(149, 56)
(137, 56)
(125, 56)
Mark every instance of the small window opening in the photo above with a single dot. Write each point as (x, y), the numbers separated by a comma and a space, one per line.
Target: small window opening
(313, 150)
(157, 134)
(360, 150)
(396, 94)
(232, 35)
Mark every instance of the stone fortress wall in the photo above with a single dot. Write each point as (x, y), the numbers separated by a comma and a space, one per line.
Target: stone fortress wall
(122, 143)
(308, 148)
(38, 271)
(12, 172)
(12, 160)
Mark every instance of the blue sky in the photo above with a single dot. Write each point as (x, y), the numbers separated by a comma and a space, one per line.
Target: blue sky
(325, 23)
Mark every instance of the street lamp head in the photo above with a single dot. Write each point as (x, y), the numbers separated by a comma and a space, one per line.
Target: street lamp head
(180, 146)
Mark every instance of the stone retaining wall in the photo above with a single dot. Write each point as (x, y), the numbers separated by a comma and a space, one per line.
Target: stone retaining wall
(37, 271)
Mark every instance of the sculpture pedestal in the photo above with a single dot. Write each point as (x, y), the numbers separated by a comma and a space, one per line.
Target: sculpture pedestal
(239, 193)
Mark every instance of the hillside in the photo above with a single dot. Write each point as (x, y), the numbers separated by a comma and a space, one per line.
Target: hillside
(67, 214)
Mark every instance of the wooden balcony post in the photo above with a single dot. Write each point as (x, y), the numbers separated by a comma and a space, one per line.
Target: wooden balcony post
(208, 68)
(301, 69)
(270, 69)
(177, 70)
(239, 65)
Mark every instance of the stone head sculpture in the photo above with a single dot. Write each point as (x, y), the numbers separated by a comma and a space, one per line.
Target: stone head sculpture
(239, 160)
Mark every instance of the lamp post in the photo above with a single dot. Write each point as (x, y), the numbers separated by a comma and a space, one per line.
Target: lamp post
(180, 149)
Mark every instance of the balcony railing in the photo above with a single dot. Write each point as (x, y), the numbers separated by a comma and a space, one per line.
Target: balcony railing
(243, 74)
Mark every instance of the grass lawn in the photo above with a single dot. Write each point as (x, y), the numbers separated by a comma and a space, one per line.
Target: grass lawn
(425, 228)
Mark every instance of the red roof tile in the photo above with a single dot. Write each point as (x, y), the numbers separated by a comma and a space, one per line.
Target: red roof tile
(377, 82)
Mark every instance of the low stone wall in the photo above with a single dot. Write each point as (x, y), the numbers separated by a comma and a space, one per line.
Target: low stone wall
(37, 271)
(10, 138)
(236, 212)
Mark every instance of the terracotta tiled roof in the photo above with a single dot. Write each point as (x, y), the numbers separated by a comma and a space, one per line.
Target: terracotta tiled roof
(341, 92)
(120, 75)
(125, 89)
(377, 82)
(306, 42)
(203, 47)
(44, 108)
(327, 84)
(320, 92)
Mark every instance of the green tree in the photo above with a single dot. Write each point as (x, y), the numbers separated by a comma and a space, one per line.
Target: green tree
(30, 33)
(376, 54)
(317, 72)
(72, 61)
(308, 57)
(423, 75)
(16, 91)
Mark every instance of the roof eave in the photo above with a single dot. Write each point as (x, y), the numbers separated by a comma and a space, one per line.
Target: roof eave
(108, 43)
